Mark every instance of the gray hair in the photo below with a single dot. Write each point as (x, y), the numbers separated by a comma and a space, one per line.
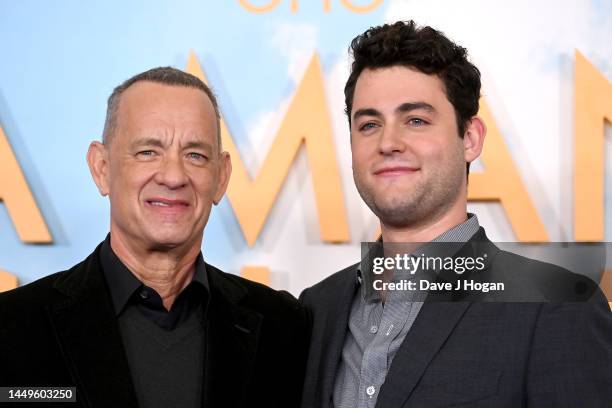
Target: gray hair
(160, 75)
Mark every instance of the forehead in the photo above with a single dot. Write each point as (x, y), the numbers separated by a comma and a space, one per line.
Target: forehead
(397, 84)
(148, 105)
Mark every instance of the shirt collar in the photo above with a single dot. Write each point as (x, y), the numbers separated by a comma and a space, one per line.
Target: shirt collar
(462, 232)
(459, 234)
(122, 283)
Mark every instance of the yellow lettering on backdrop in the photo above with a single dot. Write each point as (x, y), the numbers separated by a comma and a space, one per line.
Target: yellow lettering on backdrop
(7, 281)
(295, 5)
(501, 182)
(260, 274)
(361, 9)
(17, 197)
(259, 9)
(606, 285)
(592, 106)
(307, 122)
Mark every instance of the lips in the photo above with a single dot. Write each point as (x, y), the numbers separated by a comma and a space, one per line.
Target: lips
(394, 170)
(160, 202)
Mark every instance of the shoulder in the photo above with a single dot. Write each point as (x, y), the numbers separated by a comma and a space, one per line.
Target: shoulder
(34, 294)
(24, 310)
(329, 287)
(546, 281)
(250, 294)
(52, 289)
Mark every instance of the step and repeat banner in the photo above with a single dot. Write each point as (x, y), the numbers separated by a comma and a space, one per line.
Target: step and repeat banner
(292, 215)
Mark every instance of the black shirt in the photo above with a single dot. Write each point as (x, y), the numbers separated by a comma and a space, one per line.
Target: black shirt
(127, 291)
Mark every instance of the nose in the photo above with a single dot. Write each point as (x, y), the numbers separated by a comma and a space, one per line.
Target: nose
(391, 141)
(172, 172)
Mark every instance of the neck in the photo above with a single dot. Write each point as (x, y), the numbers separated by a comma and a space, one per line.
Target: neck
(167, 272)
(425, 230)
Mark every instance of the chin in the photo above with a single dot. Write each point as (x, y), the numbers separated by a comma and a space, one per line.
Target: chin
(399, 213)
(161, 240)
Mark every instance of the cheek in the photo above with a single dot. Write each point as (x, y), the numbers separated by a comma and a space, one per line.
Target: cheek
(360, 155)
(424, 152)
(130, 181)
(440, 150)
(205, 186)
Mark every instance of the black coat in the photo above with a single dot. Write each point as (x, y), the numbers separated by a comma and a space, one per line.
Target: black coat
(62, 331)
(476, 354)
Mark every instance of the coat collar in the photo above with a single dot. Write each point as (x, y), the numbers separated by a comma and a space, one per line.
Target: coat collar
(231, 345)
(87, 331)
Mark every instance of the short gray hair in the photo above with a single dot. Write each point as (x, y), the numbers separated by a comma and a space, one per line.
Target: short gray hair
(160, 75)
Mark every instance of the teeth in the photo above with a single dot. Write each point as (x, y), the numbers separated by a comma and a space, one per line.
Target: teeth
(160, 204)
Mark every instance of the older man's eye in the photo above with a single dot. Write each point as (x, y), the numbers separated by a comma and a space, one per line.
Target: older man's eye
(196, 156)
(146, 153)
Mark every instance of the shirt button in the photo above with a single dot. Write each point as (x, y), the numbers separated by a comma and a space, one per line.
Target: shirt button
(373, 329)
(370, 390)
(144, 294)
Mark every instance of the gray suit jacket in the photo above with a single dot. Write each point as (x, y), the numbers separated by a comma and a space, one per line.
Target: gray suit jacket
(462, 352)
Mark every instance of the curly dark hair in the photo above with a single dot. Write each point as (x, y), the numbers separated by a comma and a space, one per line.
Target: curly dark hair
(424, 49)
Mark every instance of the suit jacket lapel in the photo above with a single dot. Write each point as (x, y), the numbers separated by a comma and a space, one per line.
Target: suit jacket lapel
(232, 334)
(88, 333)
(432, 327)
(438, 317)
(334, 335)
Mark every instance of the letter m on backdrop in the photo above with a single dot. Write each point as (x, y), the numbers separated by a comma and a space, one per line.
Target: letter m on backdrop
(307, 122)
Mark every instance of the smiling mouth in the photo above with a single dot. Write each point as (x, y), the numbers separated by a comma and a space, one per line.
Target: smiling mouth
(164, 203)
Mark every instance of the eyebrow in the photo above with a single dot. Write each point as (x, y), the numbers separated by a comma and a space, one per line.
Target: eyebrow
(410, 106)
(148, 141)
(403, 108)
(151, 141)
(197, 145)
(366, 112)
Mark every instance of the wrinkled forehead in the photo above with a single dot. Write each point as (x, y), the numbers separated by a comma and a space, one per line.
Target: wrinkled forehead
(166, 112)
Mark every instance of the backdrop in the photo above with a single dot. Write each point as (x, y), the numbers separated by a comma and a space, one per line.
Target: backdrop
(292, 215)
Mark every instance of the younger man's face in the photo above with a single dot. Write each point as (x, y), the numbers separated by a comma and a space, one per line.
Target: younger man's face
(408, 159)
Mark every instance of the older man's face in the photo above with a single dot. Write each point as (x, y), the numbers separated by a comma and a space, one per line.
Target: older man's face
(165, 169)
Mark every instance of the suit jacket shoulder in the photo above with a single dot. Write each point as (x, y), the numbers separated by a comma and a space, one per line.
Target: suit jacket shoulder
(532, 280)
(329, 287)
(254, 295)
(31, 296)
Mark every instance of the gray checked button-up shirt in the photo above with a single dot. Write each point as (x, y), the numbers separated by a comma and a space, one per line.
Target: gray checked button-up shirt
(376, 331)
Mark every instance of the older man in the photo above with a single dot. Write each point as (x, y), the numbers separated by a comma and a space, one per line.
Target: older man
(412, 102)
(144, 321)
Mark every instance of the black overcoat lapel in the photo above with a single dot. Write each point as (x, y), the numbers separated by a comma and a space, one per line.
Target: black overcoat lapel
(232, 336)
(88, 334)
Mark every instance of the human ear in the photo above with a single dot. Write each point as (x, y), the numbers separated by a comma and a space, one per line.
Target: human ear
(225, 171)
(97, 160)
(473, 138)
